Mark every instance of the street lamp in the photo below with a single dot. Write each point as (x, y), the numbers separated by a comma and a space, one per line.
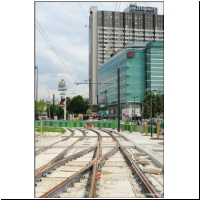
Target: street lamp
(151, 107)
(36, 68)
(92, 108)
(134, 108)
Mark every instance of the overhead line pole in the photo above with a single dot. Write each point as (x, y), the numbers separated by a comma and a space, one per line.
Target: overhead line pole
(118, 89)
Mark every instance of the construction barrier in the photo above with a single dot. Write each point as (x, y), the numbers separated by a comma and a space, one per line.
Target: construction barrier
(99, 124)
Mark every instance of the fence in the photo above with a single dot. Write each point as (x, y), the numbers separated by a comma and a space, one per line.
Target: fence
(98, 124)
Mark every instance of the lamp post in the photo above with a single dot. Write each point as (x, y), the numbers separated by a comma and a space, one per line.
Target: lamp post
(151, 107)
(91, 108)
(134, 108)
(36, 68)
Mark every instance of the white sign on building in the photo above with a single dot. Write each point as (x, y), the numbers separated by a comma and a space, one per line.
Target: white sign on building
(129, 112)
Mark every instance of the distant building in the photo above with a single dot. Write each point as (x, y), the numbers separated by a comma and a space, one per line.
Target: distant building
(140, 68)
(110, 31)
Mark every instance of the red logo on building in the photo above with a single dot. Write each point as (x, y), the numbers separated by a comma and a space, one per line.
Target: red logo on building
(130, 54)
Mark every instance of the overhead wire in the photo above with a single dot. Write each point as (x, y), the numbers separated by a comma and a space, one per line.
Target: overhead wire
(82, 10)
(119, 6)
(116, 6)
(52, 47)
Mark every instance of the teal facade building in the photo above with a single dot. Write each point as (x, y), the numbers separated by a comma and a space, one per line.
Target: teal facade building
(155, 66)
(141, 69)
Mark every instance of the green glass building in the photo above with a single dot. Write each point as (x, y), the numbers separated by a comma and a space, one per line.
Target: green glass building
(155, 66)
(141, 69)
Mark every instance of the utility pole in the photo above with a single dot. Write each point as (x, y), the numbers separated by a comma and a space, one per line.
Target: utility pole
(65, 102)
(134, 108)
(105, 101)
(36, 67)
(151, 113)
(151, 108)
(118, 89)
(142, 117)
(53, 105)
(49, 103)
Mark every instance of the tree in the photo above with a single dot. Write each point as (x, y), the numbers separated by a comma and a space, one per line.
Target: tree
(68, 105)
(157, 105)
(78, 105)
(88, 111)
(40, 106)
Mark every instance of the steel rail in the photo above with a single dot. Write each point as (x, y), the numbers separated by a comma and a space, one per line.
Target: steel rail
(143, 178)
(92, 192)
(95, 164)
(62, 162)
(57, 189)
(54, 191)
(153, 192)
(50, 146)
(67, 182)
(58, 157)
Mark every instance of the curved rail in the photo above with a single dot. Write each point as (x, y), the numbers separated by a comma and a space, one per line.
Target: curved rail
(50, 146)
(59, 156)
(53, 166)
(151, 191)
(95, 165)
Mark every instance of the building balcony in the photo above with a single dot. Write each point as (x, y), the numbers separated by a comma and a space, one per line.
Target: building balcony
(161, 31)
(136, 29)
(147, 34)
(158, 35)
(128, 38)
(149, 30)
(138, 34)
(151, 39)
(159, 40)
(108, 36)
(138, 38)
(118, 36)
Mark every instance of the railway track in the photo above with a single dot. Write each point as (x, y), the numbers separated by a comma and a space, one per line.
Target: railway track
(100, 163)
(39, 151)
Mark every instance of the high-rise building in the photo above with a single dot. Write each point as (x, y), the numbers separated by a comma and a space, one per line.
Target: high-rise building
(141, 69)
(110, 31)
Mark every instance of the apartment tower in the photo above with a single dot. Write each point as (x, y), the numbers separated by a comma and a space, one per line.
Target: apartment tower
(110, 31)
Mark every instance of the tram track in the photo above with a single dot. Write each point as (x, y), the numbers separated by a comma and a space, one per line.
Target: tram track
(39, 151)
(91, 178)
(60, 155)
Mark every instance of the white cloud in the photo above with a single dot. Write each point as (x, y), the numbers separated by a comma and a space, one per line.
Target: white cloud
(64, 24)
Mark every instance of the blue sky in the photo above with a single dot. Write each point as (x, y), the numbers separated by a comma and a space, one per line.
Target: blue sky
(64, 25)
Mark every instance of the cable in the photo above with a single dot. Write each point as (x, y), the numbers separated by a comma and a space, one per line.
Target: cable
(82, 10)
(116, 7)
(119, 6)
(52, 47)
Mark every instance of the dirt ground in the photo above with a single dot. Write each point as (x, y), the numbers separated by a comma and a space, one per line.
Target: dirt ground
(40, 137)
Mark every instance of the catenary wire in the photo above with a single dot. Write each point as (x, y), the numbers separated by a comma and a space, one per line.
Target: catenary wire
(119, 6)
(52, 47)
(83, 11)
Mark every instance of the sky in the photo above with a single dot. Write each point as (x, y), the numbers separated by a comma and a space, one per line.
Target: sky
(66, 26)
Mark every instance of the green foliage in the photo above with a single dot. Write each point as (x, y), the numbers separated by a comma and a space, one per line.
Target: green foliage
(88, 111)
(51, 129)
(40, 106)
(78, 105)
(157, 105)
(75, 105)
